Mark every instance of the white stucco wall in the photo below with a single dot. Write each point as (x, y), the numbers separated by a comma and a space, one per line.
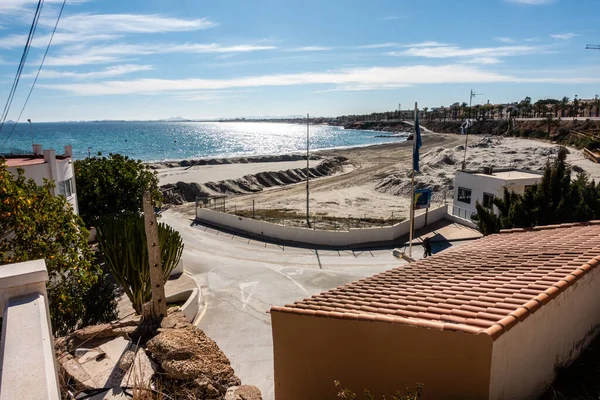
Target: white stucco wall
(524, 359)
(54, 170)
(352, 237)
(480, 184)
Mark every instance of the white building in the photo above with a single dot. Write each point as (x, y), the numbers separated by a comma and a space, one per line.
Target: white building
(471, 187)
(46, 164)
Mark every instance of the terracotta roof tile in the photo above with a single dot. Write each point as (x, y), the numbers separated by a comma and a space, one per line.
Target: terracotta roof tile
(486, 286)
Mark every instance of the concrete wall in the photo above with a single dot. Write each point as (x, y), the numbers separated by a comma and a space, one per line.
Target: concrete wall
(525, 358)
(311, 352)
(352, 237)
(27, 367)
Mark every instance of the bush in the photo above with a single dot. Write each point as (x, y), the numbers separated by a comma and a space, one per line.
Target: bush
(347, 394)
(112, 185)
(35, 224)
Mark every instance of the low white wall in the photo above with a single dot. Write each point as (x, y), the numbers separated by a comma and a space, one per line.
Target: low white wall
(27, 367)
(352, 237)
(461, 221)
(524, 359)
(192, 302)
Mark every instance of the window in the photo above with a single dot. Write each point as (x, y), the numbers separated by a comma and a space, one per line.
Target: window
(488, 200)
(464, 195)
(66, 187)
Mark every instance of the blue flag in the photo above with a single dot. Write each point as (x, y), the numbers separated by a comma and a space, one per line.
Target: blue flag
(417, 144)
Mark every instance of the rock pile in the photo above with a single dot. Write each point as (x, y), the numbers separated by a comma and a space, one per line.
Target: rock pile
(182, 191)
(180, 356)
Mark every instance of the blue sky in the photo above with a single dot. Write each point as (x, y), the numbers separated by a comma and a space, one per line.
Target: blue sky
(150, 59)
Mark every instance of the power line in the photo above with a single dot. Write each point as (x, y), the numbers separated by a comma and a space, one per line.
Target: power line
(38, 73)
(15, 84)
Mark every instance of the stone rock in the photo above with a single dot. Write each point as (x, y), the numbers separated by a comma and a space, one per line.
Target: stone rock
(126, 360)
(89, 354)
(244, 392)
(188, 354)
(141, 371)
(76, 372)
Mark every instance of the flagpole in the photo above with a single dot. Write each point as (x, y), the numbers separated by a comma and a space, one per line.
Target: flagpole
(412, 192)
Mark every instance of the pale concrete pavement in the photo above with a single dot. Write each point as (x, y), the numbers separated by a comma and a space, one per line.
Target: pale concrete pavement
(242, 278)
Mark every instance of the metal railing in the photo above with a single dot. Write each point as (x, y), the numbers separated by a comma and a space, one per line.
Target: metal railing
(461, 212)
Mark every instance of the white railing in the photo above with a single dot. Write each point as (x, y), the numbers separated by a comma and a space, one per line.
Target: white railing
(460, 212)
(27, 365)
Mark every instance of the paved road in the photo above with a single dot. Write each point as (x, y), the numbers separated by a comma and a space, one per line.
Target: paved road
(242, 279)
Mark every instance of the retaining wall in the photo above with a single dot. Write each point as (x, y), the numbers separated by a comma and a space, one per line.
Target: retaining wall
(351, 237)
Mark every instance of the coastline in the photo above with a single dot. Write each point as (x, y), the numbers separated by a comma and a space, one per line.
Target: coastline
(376, 179)
(315, 154)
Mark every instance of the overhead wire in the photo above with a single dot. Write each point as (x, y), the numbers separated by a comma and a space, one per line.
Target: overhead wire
(15, 84)
(37, 74)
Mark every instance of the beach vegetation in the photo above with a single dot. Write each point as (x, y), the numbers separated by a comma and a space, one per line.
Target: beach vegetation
(35, 224)
(111, 185)
(557, 198)
(409, 394)
(122, 241)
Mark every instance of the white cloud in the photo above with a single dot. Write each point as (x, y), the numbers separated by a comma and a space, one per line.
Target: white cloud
(357, 78)
(532, 40)
(484, 60)
(310, 48)
(564, 36)
(456, 51)
(532, 2)
(41, 41)
(115, 52)
(392, 17)
(78, 59)
(505, 39)
(126, 23)
(402, 45)
(14, 6)
(109, 72)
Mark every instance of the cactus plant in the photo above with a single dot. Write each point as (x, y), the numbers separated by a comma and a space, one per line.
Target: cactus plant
(122, 241)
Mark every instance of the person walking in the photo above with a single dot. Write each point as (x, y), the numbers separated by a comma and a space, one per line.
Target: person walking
(426, 247)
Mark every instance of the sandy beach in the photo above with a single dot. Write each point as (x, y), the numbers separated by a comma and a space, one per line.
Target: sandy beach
(208, 173)
(376, 180)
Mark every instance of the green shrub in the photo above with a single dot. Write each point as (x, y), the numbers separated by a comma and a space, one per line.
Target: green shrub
(122, 241)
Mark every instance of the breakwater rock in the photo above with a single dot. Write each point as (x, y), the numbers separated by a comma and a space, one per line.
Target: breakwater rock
(188, 191)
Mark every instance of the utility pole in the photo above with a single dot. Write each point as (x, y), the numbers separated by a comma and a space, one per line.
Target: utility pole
(30, 131)
(159, 303)
(473, 94)
(307, 170)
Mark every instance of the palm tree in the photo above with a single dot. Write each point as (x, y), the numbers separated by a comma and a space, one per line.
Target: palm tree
(550, 122)
(597, 105)
(564, 103)
(500, 110)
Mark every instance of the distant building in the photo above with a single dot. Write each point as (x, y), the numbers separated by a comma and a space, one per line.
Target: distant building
(493, 319)
(46, 164)
(471, 187)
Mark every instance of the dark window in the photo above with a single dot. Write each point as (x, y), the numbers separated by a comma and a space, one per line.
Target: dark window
(464, 195)
(66, 188)
(488, 200)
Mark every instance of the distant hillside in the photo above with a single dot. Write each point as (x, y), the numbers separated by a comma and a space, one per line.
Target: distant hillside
(579, 133)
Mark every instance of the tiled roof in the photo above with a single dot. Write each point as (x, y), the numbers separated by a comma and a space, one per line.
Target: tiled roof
(485, 286)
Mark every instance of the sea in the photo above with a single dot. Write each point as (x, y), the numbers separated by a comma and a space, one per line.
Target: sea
(165, 141)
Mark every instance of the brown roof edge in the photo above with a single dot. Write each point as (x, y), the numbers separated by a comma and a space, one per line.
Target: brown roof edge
(548, 227)
(504, 325)
(494, 331)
